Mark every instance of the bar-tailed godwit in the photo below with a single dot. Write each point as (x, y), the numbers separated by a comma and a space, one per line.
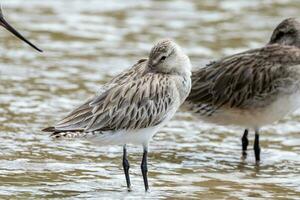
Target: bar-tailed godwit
(253, 88)
(133, 106)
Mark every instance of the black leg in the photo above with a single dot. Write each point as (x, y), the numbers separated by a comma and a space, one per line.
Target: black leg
(144, 168)
(126, 167)
(256, 146)
(245, 143)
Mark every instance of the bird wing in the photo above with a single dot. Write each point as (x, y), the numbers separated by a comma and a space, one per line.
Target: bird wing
(135, 104)
(236, 81)
(135, 72)
(79, 118)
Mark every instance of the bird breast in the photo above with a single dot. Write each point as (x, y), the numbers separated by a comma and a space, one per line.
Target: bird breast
(183, 84)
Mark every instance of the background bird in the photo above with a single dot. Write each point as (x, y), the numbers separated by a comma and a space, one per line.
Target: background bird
(134, 105)
(253, 88)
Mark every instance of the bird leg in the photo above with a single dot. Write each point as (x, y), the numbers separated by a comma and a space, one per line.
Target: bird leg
(256, 146)
(144, 167)
(126, 167)
(245, 143)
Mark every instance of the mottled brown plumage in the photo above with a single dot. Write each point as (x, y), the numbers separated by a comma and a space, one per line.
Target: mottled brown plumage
(79, 118)
(131, 105)
(246, 80)
(253, 88)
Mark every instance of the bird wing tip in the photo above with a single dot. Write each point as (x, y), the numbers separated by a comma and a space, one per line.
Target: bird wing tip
(49, 129)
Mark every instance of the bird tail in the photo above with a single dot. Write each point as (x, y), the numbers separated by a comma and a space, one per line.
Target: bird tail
(65, 134)
(69, 134)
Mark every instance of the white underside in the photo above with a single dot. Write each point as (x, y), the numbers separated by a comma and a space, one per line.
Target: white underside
(256, 118)
(138, 136)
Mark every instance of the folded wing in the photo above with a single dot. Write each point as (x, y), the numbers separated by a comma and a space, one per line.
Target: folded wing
(139, 103)
(238, 80)
(79, 118)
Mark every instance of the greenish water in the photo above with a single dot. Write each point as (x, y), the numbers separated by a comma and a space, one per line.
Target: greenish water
(88, 42)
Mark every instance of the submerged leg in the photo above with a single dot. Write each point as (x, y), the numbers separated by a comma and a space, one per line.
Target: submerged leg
(256, 146)
(144, 167)
(245, 143)
(126, 167)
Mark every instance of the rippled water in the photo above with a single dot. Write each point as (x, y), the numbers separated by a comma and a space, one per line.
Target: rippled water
(86, 43)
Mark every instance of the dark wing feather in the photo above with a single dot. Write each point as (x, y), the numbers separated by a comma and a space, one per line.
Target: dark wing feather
(79, 118)
(136, 104)
(238, 80)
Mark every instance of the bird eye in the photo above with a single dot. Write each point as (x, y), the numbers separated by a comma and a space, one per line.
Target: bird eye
(163, 58)
(280, 34)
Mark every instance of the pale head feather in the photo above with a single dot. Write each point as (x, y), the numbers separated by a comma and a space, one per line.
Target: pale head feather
(167, 57)
(287, 33)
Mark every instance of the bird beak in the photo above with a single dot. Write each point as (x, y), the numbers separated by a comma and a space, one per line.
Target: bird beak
(15, 32)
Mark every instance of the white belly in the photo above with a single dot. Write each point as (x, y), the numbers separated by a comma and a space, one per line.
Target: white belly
(255, 118)
(140, 136)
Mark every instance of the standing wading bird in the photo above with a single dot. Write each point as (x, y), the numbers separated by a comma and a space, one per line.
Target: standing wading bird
(6, 25)
(133, 106)
(253, 88)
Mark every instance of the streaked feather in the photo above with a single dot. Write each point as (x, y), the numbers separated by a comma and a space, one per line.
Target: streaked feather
(244, 80)
(79, 118)
(132, 105)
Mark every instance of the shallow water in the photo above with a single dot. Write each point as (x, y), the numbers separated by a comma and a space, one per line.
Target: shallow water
(86, 43)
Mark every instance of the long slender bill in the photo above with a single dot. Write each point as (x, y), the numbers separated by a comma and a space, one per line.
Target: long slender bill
(15, 32)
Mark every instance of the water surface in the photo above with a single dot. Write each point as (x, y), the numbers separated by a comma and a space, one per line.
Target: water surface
(85, 43)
